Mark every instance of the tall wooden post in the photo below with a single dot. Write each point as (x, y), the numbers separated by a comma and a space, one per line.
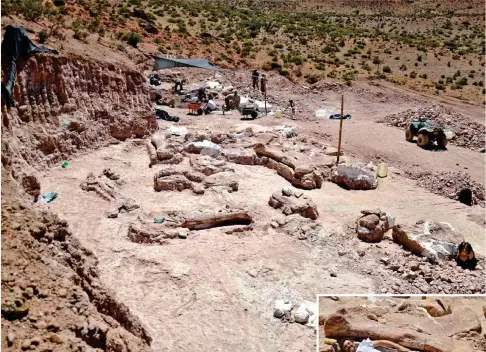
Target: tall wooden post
(265, 95)
(340, 128)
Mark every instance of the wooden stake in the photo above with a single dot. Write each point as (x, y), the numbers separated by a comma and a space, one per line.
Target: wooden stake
(265, 95)
(340, 128)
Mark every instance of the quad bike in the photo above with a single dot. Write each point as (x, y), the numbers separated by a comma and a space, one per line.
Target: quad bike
(427, 133)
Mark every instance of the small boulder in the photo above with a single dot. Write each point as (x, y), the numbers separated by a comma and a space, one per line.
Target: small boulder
(354, 177)
(372, 226)
(281, 308)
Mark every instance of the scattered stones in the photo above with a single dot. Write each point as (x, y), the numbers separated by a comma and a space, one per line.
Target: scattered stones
(435, 241)
(354, 177)
(373, 224)
(62, 292)
(305, 313)
(293, 205)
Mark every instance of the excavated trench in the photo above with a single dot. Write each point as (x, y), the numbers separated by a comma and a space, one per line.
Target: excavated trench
(230, 282)
(65, 106)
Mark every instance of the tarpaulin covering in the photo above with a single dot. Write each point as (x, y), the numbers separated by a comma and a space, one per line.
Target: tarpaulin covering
(16, 44)
(163, 63)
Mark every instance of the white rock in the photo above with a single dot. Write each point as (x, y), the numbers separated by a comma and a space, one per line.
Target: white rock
(177, 131)
(287, 191)
(281, 307)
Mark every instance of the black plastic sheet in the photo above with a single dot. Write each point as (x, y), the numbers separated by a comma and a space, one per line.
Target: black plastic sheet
(16, 45)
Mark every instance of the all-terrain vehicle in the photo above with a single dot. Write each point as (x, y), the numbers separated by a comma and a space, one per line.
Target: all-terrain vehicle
(427, 133)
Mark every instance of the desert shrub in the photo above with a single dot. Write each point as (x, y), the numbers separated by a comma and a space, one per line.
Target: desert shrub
(33, 10)
(462, 81)
(413, 74)
(439, 86)
(43, 36)
(267, 66)
(133, 39)
(284, 72)
(278, 46)
(423, 75)
(376, 60)
(388, 51)
(419, 58)
(80, 34)
(314, 78)
(397, 58)
(387, 69)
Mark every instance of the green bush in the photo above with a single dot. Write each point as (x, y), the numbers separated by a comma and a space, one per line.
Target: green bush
(314, 78)
(133, 39)
(43, 36)
(387, 69)
(33, 10)
(267, 66)
(284, 72)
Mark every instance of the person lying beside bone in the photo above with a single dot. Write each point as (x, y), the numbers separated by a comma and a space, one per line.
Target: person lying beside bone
(380, 345)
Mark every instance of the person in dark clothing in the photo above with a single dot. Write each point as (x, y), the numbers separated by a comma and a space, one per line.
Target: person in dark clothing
(263, 83)
(465, 257)
(201, 94)
(179, 84)
(254, 77)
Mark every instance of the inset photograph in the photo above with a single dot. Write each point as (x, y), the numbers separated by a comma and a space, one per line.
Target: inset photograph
(401, 323)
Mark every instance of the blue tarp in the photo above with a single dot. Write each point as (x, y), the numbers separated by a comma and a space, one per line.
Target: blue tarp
(163, 63)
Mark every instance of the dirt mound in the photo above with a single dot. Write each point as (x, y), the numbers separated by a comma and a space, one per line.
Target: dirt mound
(52, 297)
(450, 184)
(467, 133)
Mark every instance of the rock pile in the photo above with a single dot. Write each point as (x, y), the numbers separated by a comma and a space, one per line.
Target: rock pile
(416, 275)
(467, 134)
(297, 226)
(205, 173)
(373, 224)
(449, 184)
(293, 202)
(305, 313)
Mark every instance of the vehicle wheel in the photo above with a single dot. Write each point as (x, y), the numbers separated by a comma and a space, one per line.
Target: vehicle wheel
(442, 141)
(254, 114)
(423, 140)
(200, 111)
(408, 135)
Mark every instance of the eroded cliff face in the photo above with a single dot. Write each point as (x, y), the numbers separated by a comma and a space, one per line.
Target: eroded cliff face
(67, 104)
(53, 297)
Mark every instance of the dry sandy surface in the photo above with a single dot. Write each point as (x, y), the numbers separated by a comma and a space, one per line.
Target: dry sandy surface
(190, 290)
(417, 314)
(216, 291)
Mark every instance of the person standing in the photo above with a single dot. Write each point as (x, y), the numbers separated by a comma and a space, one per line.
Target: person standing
(263, 83)
(179, 84)
(254, 77)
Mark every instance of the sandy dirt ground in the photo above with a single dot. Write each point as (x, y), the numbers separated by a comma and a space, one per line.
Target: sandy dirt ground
(211, 281)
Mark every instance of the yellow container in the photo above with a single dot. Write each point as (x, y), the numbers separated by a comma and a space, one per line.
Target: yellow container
(382, 170)
(278, 113)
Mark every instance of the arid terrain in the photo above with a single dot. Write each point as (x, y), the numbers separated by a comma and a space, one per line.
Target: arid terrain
(432, 323)
(177, 236)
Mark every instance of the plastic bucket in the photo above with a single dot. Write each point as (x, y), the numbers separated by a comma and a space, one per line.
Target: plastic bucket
(278, 113)
(382, 170)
